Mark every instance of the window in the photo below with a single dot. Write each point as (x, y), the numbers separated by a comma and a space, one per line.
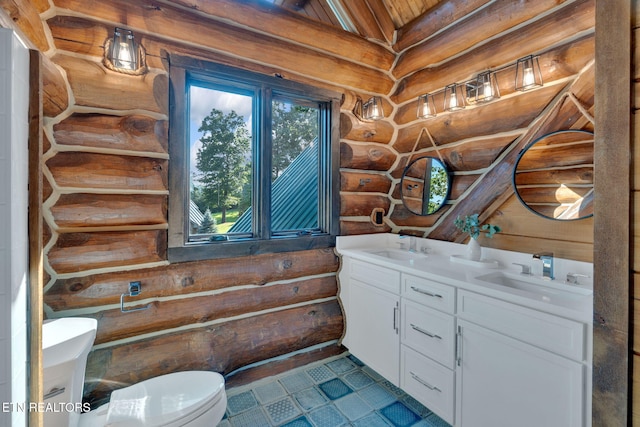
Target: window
(253, 163)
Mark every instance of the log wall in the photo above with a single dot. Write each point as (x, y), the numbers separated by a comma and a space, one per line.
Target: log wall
(106, 160)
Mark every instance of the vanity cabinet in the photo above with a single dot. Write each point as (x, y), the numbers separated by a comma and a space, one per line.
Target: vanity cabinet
(517, 366)
(374, 319)
(473, 358)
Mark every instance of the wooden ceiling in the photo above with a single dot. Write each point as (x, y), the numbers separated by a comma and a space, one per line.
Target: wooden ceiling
(361, 16)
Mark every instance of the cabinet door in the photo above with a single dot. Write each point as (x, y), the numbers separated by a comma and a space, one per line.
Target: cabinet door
(504, 382)
(373, 329)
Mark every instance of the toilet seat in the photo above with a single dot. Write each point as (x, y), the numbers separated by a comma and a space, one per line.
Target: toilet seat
(168, 400)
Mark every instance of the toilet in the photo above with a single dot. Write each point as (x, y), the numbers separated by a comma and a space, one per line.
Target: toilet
(188, 398)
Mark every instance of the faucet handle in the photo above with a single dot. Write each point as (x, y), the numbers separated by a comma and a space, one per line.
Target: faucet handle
(572, 278)
(526, 268)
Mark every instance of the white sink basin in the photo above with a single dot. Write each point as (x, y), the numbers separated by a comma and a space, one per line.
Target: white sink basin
(397, 254)
(546, 289)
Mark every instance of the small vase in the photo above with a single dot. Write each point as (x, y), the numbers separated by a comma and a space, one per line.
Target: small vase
(474, 250)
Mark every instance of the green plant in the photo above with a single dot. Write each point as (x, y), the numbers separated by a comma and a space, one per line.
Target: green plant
(471, 224)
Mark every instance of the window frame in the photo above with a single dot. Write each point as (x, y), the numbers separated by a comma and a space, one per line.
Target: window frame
(182, 70)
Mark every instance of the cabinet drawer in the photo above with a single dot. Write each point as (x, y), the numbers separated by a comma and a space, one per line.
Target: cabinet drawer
(428, 382)
(380, 277)
(428, 331)
(559, 335)
(433, 294)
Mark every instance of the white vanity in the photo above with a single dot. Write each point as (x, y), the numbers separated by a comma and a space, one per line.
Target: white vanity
(478, 343)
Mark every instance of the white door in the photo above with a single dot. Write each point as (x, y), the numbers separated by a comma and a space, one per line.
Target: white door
(502, 382)
(14, 114)
(374, 329)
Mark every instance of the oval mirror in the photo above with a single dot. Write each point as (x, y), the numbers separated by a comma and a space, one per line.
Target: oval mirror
(425, 185)
(553, 176)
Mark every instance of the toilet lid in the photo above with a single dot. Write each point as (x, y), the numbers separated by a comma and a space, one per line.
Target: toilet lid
(162, 400)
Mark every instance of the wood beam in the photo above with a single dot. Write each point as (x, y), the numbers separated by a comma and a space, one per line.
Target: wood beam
(36, 245)
(442, 15)
(23, 15)
(612, 267)
(364, 20)
(475, 29)
(384, 19)
(176, 25)
(190, 277)
(289, 25)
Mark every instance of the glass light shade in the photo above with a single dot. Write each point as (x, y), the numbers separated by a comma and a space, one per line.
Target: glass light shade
(486, 88)
(453, 97)
(426, 106)
(123, 51)
(373, 109)
(528, 74)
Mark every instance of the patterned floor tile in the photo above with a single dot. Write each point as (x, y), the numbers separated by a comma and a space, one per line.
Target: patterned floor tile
(435, 421)
(355, 360)
(376, 396)
(241, 402)
(357, 379)
(416, 406)
(310, 398)
(342, 365)
(373, 374)
(296, 382)
(320, 374)
(335, 388)
(399, 415)
(353, 407)
(327, 416)
(339, 391)
(372, 420)
(397, 391)
(298, 422)
(269, 392)
(252, 418)
(282, 410)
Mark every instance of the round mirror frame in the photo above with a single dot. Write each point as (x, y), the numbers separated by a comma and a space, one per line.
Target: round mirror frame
(523, 152)
(415, 185)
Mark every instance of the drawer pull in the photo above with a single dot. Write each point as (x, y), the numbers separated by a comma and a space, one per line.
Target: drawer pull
(422, 291)
(424, 383)
(425, 332)
(395, 318)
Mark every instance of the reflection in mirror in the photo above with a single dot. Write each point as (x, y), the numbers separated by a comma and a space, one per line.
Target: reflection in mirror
(553, 175)
(425, 185)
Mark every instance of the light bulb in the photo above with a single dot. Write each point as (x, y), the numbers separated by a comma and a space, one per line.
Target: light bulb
(487, 90)
(528, 79)
(453, 101)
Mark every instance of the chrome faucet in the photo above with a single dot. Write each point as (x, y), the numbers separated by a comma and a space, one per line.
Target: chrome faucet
(412, 243)
(547, 264)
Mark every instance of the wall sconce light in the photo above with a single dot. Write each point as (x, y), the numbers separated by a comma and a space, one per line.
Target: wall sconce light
(486, 87)
(483, 88)
(370, 110)
(528, 74)
(123, 54)
(453, 97)
(426, 106)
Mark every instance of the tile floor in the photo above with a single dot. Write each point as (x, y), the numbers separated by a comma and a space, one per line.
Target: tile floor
(339, 391)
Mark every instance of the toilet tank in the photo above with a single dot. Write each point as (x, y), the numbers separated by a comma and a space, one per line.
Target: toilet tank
(66, 343)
